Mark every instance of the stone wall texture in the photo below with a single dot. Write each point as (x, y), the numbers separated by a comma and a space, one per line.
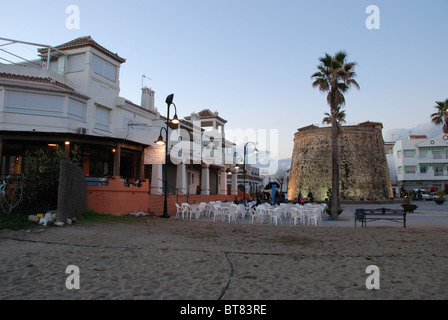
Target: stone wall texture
(72, 194)
(363, 169)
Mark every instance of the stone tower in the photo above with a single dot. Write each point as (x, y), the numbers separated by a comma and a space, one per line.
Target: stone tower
(363, 170)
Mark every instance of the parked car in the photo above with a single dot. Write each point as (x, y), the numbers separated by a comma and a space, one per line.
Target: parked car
(424, 194)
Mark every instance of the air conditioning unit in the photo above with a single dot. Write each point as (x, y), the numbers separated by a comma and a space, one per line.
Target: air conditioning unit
(82, 131)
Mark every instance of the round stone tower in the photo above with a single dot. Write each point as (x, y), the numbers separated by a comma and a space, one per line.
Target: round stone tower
(363, 170)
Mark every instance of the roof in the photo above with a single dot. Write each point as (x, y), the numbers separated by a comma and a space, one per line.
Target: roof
(207, 114)
(18, 80)
(413, 137)
(378, 125)
(85, 42)
(440, 140)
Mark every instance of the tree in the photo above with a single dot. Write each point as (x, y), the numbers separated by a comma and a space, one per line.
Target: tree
(335, 76)
(41, 178)
(441, 116)
(281, 178)
(340, 118)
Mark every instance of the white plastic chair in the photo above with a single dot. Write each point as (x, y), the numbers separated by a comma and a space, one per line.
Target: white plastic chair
(194, 211)
(262, 211)
(202, 207)
(178, 210)
(253, 215)
(276, 215)
(231, 213)
(295, 215)
(217, 212)
(241, 211)
(314, 217)
(185, 210)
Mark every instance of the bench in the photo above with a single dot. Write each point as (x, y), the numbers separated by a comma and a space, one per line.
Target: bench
(396, 215)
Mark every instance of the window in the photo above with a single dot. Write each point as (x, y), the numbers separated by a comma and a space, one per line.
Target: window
(76, 110)
(34, 103)
(437, 154)
(104, 68)
(422, 153)
(75, 62)
(438, 171)
(400, 170)
(399, 154)
(102, 118)
(410, 169)
(409, 153)
(423, 169)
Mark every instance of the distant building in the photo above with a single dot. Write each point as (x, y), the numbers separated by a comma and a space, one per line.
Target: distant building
(419, 163)
(363, 167)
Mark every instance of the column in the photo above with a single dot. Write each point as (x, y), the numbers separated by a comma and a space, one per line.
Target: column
(223, 182)
(205, 182)
(157, 179)
(234, 184)
(117, 159)
(181, 179)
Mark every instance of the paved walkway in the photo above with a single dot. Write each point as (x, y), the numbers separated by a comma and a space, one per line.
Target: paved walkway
(428, 214)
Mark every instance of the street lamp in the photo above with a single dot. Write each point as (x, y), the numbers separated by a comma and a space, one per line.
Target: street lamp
(161, 142)
(237, 165)
(244, 165)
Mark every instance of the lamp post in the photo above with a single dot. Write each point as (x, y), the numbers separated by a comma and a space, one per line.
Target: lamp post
(244, 164)
(161, 142)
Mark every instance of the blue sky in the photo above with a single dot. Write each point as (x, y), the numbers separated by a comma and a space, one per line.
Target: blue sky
(252, 60)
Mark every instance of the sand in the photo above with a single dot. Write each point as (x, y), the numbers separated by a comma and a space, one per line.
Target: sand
(157, 259)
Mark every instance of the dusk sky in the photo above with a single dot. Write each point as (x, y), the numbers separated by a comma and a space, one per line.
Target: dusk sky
(252, 60)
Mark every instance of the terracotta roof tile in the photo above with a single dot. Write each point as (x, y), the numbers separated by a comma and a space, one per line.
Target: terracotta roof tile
(18, 80)
(84, 42)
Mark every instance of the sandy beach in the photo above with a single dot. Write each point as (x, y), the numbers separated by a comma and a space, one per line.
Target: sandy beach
(157, 259)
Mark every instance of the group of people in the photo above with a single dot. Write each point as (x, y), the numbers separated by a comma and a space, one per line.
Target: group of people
(281, 197)
(301, 200)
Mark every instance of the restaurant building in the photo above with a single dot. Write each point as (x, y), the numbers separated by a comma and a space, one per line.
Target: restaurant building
(70, 95)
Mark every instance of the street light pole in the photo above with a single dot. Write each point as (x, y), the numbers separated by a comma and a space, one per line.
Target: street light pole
(169, 102)
(244, 166)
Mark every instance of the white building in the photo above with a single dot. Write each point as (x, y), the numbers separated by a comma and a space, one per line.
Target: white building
(71, 95)
(419, 162)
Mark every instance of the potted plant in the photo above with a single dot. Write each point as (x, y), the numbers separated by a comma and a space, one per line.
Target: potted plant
(408, 206)
(440, 199)
(328, 202)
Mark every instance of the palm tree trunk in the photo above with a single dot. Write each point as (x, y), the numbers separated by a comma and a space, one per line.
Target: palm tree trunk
(334, 165)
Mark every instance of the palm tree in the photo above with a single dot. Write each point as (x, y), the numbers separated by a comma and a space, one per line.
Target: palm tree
(441, 116)
(335, 76)
(340, 117)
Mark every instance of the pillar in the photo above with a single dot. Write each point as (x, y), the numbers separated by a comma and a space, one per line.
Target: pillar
(181, 179)
(157, 179)
(234, 189)
(117, 159)
(205, 181)
(223, 182)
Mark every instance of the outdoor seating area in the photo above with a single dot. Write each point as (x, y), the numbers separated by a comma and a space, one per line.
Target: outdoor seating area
(283, 214)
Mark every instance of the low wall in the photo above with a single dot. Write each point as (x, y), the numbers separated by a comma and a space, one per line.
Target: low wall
(115, 198)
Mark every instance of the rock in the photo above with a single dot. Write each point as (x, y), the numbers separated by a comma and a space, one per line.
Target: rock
(68, 221)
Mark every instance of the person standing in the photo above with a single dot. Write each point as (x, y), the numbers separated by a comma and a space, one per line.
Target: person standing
(310, 197)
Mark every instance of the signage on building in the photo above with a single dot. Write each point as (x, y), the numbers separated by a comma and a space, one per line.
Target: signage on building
(155, 155)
